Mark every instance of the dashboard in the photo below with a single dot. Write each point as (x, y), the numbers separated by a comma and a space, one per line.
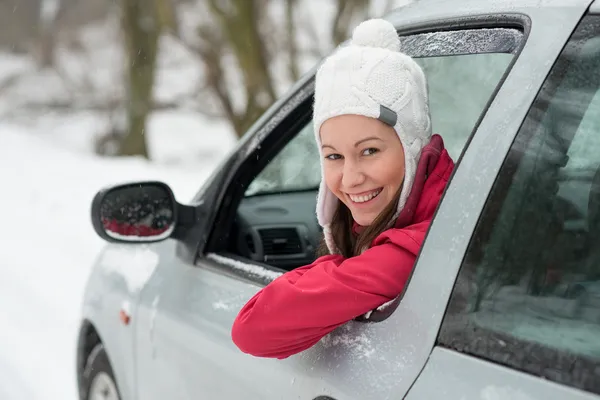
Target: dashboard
(279, 229)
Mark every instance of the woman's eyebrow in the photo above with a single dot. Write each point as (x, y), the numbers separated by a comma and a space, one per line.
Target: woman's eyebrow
(366, 139)
(327, 145)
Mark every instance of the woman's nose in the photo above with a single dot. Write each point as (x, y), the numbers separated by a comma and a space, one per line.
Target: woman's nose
(352, 175)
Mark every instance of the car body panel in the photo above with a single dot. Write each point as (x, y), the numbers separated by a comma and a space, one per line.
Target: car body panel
(113, 286)
(180, 333)
(441, 10)
(455, 376)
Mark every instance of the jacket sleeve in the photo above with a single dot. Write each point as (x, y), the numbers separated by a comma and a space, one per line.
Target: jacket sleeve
(297, 309)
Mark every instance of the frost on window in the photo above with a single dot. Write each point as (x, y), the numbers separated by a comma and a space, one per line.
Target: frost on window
(296, 167)
(257, 271)
(494, 40)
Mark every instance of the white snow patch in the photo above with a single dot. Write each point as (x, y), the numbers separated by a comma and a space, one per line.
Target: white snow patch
(126, 307)
(135, 263)
(493, 392)
(250, 268)
(48, 248)
(231, 303)
(220, 305)
(155, 303)
(358, 345)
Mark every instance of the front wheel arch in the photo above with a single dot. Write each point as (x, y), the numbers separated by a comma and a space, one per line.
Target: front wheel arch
(98, 376)
(87, 341)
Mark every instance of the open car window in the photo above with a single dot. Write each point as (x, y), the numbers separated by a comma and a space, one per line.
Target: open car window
(295, 168)
(275, 223)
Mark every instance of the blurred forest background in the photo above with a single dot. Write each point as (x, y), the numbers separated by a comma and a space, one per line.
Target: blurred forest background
(97, 71)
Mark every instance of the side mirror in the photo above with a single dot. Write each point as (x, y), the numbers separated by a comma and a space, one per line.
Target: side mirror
(140, 212)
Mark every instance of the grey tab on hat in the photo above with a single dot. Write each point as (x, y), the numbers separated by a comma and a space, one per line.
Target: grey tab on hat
(387, 116)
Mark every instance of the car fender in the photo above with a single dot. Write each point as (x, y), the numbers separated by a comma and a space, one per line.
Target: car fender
(109, 305)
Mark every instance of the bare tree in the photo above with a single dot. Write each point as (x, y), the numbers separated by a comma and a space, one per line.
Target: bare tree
(242, 29)
(48, 26)
(51, 14)
(294, 69)
(237, 30)
(167, 16)
(141, 30)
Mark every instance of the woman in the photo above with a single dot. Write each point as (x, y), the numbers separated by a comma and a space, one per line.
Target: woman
(383, 174)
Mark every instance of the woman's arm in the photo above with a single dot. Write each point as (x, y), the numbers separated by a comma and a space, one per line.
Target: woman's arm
(297, 309)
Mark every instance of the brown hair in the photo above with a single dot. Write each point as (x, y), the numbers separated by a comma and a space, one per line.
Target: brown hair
(347, 242)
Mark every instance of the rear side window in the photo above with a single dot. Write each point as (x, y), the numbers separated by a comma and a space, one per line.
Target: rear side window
(528, 292)
(460, 87)
(463, 69)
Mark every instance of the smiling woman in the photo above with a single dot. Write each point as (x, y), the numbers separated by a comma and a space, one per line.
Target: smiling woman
(383, 175)
(365, 169)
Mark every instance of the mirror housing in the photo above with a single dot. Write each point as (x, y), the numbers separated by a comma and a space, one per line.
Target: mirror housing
(138, 212)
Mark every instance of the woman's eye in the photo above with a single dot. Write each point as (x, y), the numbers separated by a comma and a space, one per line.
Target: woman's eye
(333, 157)
(370, 151)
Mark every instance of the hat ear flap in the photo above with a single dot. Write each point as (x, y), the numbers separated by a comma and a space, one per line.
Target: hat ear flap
(327, 204)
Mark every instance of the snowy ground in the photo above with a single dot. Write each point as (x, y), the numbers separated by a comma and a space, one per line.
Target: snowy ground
(47, 246)
(49, 175)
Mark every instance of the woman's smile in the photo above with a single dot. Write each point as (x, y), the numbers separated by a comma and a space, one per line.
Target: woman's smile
(364, 198)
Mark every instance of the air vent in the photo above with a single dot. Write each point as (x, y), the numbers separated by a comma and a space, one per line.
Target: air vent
(280, 241)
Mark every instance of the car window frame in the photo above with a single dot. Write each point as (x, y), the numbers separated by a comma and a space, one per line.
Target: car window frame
(547, 357)
(215, 239)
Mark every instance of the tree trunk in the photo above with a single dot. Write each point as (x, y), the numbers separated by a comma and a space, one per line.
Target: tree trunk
(46, 46)
(240, 25)
(48, 25)
(141, 30)
(167, 16)
(291, 40)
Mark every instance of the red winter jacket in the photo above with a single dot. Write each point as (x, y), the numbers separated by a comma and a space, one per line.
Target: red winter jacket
(297, 309)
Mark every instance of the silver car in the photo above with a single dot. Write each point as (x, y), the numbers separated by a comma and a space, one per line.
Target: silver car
(504, 301)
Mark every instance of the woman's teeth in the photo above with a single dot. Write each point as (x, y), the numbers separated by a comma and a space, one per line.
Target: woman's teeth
(364, 198)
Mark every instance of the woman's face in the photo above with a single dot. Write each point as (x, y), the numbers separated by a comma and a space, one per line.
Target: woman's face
(363, 165)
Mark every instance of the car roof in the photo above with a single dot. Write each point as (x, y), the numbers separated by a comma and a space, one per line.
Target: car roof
(419, 11)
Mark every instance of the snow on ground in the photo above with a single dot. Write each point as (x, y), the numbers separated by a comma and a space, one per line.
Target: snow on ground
(47, 246)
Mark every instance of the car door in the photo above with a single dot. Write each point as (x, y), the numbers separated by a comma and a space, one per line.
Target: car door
(265, 224)
(524, 317)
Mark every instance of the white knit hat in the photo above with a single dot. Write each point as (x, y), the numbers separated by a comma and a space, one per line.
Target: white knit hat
(371, 77)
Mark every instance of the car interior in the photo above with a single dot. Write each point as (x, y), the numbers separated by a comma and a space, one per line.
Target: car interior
(290, 242)
(275, 222)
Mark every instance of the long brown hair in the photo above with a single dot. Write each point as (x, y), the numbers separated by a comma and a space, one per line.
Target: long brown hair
(350, 244)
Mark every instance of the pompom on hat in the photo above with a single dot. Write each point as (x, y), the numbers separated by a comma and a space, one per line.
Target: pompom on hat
(370, 76)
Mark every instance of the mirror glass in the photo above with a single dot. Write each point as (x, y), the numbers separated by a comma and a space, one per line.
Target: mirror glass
(138, 213)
